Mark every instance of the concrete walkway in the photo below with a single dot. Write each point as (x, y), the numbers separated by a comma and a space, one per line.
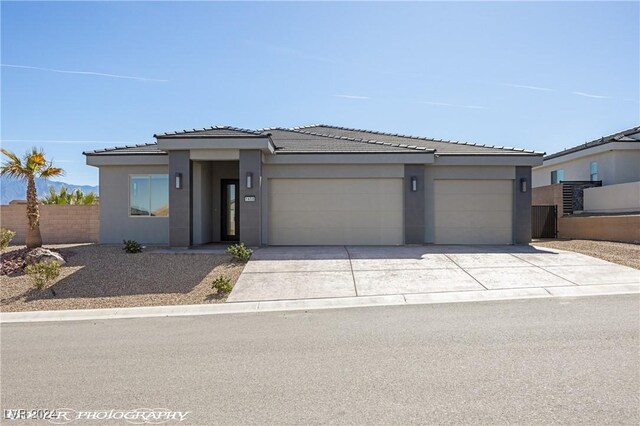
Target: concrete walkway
(286, 273)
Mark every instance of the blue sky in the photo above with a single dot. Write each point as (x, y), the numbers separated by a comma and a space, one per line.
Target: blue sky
(535, 75)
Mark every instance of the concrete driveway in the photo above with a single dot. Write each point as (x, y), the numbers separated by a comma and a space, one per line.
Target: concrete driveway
(282, 273)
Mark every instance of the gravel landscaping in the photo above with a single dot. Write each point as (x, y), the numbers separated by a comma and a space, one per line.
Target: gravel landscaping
(622, 253)
(98, 276)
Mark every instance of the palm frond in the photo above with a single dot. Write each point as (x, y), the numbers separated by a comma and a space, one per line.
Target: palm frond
(50, 172)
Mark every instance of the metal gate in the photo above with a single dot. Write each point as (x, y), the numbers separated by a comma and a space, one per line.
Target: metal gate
(544, 221)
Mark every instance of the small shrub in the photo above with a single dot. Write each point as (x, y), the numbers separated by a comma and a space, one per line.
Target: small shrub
(43, 272)
(131, 246)
(6, 235)
(222, 284)
(240, 252)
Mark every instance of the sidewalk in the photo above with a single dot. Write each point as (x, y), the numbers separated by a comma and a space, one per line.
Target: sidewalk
(312, 304)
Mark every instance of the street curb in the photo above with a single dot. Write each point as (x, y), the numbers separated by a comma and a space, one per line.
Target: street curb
(316, 304)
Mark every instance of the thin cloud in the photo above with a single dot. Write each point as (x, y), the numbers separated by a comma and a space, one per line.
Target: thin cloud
(351, 97)
(589, 95)
(525, 86)
(36, 141)
(445, 104)
(99, 74)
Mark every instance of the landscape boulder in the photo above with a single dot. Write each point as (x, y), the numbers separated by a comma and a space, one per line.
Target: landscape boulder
(41, 255)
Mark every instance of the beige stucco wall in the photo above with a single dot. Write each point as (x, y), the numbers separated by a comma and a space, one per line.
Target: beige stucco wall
(58, 223)
(614, 166)
(609, 228)
(624, 197)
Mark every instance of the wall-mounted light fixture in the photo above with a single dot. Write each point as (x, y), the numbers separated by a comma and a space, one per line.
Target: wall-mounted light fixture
(178, 180)
(523, 185)
(414, 184)
(249, 180)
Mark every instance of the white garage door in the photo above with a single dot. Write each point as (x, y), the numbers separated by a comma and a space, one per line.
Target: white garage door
(335, 211)
(473, 211)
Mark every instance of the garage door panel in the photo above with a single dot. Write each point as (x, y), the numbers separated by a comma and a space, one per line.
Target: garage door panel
(354, 236)
(345, 202)
(334, 219)
(465, 219)
(473, 235)
(473, 202)
(462, 186)
(335, 211)
(473, 212)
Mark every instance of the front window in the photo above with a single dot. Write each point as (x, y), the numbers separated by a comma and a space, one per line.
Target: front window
(594, 171)
(557, 176)
(149, 195)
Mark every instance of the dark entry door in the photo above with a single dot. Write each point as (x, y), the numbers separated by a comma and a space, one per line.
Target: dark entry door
(230, 230)
(544, 222)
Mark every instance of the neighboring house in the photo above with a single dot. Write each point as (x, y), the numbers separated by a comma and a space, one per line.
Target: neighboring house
(595, 188)
(611, 159)
(313, 185)
(608, 168)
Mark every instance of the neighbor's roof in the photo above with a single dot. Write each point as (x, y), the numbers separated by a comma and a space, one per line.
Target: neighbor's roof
(323, 139)
(629, 135)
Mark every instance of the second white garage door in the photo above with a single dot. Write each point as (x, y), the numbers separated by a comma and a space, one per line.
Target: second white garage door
(473, 211)
(335, 211)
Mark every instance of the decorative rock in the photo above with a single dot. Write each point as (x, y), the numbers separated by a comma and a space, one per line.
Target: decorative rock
(41, 254)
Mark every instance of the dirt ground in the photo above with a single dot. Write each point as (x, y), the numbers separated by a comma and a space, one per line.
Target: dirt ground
(106, 277)
(622, 253)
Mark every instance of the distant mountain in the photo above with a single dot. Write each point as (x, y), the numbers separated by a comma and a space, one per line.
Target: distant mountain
(13, 189)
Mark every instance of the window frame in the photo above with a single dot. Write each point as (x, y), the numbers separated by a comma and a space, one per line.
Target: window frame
(557, 172)
(591, 172)
(147, 175)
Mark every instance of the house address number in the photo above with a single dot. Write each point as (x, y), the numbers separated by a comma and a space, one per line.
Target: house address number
(250, 198)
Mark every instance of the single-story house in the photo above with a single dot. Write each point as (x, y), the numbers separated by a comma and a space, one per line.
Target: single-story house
(313, 185)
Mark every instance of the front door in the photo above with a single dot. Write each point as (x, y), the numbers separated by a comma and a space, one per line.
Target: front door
(230, 213)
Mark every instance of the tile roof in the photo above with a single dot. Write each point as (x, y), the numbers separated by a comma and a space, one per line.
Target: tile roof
(628, 135)
(441, 146)
(298, 141)
(140, 149)
(220, 131)
(323, 139)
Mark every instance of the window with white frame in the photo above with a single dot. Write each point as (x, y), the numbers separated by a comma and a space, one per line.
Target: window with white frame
(594, 171)
(557, 176)
(149, 195)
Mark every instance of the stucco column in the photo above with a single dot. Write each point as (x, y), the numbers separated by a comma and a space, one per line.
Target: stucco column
(250, 200)
(414, 204)
(179, 199)
(522, 207)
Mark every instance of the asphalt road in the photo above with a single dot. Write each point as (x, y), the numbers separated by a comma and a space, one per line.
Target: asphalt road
(530, 361)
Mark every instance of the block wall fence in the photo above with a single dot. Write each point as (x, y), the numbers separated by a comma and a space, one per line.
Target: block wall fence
(58, 223)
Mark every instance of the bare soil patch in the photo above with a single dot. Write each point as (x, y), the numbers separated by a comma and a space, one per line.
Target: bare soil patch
(627, 254)
(106, 277)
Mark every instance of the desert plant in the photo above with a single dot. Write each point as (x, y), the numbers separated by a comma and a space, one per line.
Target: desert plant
(131, 246)
(222, 284)
(42, 273)
(32, 165)
(6, 235)
(64, 196)
(240, 252)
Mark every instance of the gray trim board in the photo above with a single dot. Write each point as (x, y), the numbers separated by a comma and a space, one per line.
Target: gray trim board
(414, 217)
(180, 200)
(522, 207)
(250, 211)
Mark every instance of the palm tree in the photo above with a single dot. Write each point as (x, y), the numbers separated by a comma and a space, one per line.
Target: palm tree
(32, 165)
